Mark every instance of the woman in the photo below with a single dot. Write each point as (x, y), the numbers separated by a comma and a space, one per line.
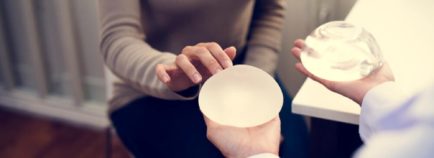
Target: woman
(161, 50)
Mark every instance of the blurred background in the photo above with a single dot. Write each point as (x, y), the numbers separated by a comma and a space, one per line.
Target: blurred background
(53, 85)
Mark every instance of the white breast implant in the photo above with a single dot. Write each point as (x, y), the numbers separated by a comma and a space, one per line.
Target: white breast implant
(340, 51)
(241, 96)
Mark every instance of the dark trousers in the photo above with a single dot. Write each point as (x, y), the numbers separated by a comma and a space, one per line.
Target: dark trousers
(151, 127)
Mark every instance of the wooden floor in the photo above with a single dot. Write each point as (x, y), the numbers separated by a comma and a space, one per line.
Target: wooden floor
(25, 136)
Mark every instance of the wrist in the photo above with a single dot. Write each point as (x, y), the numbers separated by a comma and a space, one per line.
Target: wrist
(366, 89)
(383, 75)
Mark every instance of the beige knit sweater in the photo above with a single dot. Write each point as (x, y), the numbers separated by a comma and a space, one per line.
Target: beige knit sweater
(136, 35)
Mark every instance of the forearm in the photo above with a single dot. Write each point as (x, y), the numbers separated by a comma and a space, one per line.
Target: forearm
(263, 58)
(398, 125)
(379, 103)
(126, 53)
(264, 43)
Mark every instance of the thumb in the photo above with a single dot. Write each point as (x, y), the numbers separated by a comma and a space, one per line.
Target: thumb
(231, 52)
(209, 123)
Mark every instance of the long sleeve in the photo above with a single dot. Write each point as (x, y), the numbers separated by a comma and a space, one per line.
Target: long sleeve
(265, 36)
(393, 124)
(126, 53)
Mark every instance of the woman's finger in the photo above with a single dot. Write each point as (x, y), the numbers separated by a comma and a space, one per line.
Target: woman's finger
(219, 54)
(296, 52)
(299, 43)
(188, 68)
(205, 57)
(231, 52)
(162, 74)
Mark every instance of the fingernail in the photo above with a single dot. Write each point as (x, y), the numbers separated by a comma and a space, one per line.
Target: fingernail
(165, 79)
(197, 78)
(228, 64)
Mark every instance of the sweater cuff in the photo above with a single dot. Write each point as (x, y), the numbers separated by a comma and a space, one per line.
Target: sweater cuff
(378, 102)
(191, 92)
(188, 94)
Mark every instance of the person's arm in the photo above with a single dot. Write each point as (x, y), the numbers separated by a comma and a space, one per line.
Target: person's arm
(380, 102)
(124, 51)
(395, 125)
(155, 73)
(265, 35)
(391, 123)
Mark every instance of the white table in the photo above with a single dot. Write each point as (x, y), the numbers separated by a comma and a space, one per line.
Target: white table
(404, 30)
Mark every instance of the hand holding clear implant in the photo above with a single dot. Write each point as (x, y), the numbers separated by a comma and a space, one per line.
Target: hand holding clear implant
(354, 90)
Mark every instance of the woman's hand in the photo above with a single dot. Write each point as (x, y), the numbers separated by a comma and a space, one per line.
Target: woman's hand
(194, 65)
(354, 90)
